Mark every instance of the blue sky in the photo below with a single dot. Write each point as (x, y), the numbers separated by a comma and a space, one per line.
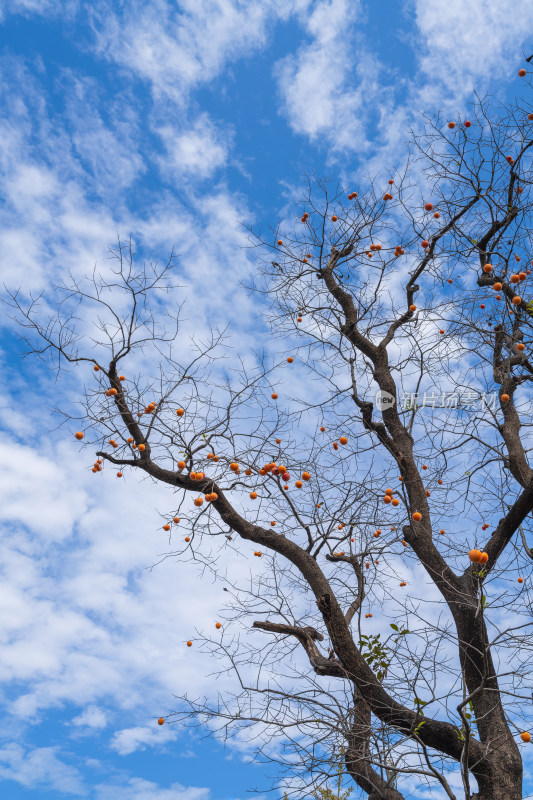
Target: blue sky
(177, 123)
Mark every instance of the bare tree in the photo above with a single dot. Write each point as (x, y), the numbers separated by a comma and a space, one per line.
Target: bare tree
(411, 454)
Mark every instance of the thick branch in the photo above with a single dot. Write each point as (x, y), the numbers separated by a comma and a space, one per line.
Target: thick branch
(307, 637)
(508, 526)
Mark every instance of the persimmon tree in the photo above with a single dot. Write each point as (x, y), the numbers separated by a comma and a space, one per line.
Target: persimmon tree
(380, 468)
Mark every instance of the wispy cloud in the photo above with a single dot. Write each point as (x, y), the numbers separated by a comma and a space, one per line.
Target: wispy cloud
(45, 8)
(129, 740)
(451, 60)
(196, 152)
(40, 769)
(139, 789)
(166, 46)
(92, 717)
(329, 87)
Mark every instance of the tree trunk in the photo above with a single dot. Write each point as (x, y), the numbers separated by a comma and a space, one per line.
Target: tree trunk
(501, 778)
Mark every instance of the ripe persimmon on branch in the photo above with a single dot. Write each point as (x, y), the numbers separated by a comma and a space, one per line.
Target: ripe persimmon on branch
(381, 469)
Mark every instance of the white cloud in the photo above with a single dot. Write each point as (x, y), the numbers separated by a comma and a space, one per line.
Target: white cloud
(196, 152)
(129, 740)
(48, 8)
(52, 169)
(449, 52)
(36, 492)
(51, 220)
(334, 87)
(139, 789)
(40, 768)
(82, 618)
(108, 150)
(91, 717)
(329, 87)
(178, 50)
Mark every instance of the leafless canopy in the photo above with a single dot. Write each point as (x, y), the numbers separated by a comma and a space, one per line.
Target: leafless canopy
(381, 321)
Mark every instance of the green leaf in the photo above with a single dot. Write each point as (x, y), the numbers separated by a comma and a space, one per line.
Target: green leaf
(394, 627)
